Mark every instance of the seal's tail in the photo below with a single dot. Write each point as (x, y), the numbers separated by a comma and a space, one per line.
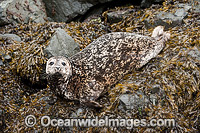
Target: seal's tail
(159, 32)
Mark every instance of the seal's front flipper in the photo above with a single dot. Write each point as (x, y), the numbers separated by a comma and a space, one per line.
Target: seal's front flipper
(91, 103)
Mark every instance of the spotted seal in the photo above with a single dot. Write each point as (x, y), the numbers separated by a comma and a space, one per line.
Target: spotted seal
(86, 75)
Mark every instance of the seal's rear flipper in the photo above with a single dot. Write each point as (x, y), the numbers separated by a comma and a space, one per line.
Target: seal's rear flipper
(159, 32)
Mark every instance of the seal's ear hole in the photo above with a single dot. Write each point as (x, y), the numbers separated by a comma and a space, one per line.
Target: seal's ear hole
(63, 63)
(51, 63)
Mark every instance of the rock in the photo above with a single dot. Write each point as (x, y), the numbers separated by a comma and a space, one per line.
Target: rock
(153, 99)
(10, 36)
(1, 62)
(50, 100)
(172, 18)
(73, 115)
(7, 57)
(196, 7)
(195, 53)
(93, 16)
(2, 123)
(117, 16)
(137, 100)
(79, 112)
(66, 10)
(22, 11)
(61, 44)
(180, 13)
(148, 3)
(185, 6)
(155, 89)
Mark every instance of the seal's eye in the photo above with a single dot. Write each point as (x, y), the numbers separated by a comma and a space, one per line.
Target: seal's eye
(63, 63)
(51, 63)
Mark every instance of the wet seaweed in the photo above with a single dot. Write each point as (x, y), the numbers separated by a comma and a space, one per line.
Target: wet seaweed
(174, 71)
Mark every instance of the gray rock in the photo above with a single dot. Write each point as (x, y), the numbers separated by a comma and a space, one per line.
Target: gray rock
(117, 16)
(11, 36)
(196, 7)
(169, 19)
(137, 100)
(93, 15)
(153, 98)
(1, 62)
(195, 53)
(7, 57)
(180, 13)
(184, 6)
(61, 44)
(50, 100)
(2, 121)
(66, 10)
(148, 3)
(155, 89)
(79, 112)
(22, 11)
(73, 115)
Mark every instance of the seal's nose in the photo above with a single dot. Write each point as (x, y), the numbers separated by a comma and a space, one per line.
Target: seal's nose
(57, 68)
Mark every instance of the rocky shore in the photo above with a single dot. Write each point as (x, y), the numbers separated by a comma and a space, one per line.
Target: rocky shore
(167, 87)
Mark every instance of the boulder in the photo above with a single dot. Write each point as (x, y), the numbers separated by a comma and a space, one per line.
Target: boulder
(61, 44)
(148, 3)
(10, 36)
(137, 100)
(196, 7)
(2, 121)
(1, 62)
(170, 19)
(3, 58)
(117, 16)
(7, 57)
(66, 10)
(80, 112)
(195, 55)
(22, 11)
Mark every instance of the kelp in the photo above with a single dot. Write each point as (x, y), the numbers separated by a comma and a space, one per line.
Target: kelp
(174, 72)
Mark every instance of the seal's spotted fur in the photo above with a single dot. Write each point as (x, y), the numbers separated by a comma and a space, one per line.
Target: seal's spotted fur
(87, 74)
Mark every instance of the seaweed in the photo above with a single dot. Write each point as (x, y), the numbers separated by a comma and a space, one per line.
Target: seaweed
(174, 71)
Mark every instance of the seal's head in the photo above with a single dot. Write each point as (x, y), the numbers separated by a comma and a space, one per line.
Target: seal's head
(59, 66)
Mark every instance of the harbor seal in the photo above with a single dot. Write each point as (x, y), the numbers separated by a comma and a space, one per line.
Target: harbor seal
(86, 75)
